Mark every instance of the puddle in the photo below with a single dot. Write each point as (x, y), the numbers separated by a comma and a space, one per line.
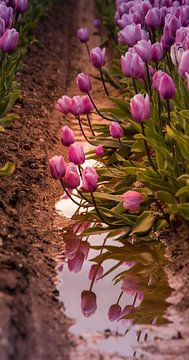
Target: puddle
(98, 332)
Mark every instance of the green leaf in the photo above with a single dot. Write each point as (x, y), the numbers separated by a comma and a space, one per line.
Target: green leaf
(144, 223)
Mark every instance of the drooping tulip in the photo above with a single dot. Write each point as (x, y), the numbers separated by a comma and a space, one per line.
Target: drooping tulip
(76, 154)
(114, 312)
(63, 104)
(115, 130)
(84, 248)
(88, 303)
(140, 107)
(71, 179)
(97, 57)
(166, 87)
(67, 136)
(57, 167)
(84, 82)
(130, 285)
(83, 35)
(132, 200)
(9, 40)
(75, 264)
(72, 246)
(89, 179)
(95, 272)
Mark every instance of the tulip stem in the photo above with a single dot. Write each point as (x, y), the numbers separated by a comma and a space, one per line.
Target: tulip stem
(149, 80)
(135, 86)
(119, 298)
(98, 112)
(135, 299)
(67, 193)
(97, 210)
(83, 133)
(147, 150)
(94, 277)
(88, 50)
(169, 123)
(89, 122)
(80, 170)
(2, 58)
(81, 194)
(103, 82)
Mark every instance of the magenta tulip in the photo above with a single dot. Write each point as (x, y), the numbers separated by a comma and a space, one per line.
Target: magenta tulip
(99, 150)
(88, 303)
(95, 272)
(76, 154)
(132, 200)
(97, 23)
(115, 130)
(71, 179)
(156, 79)
(114, 312)
(21, 6)
(75, 264)
(166, 87)
(63, 104)
(83, 35)
(97, 57)
(57, 167)
(157, 52)
(84, 82)
(89, 179)
(67, 136)
(140, 107)
(87, 104)
(9, 40)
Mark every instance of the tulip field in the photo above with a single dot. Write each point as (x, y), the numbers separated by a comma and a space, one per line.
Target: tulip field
(131, 187)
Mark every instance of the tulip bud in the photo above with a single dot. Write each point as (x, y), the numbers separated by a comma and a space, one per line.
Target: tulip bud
(144, 50)
(88, 303)
(87, 104)
(140, 107)
(57, 167)
(21, 6)
(184, 63)
(99, 150)
(130, 35)
(156, 79)
(84, 248)
(130, 285)
(176, 53)
(71, 179)
(115, 130)
(97, 57)
(95, 272)
(157, 52)
(76, 154)
(84, 82)
(166, 87)
(75, 264)
(83, 35)
(9, 40)
(63, 104)
(132, 65)
(67, 136)
(89, 179)
(132, 200)
(97, 23)
(72, 247)
(153, 18)
(81, 105)
(114, 312)
(126, 311)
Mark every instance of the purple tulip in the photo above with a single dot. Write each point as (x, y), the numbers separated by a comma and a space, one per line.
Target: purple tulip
(84, 82)
(157, 52)
(63, 104)
(6, 13)
(156, 79)
(71, 179)
(95, 272)
(132, 65)
(144, 50)
(116, 130)
(99, 150)
(89, 179)
(130, 35)
(124, 21)
(83, 35)
(166, 87)
(132, 200)
(9, 40)
(97, 57)
(21, 6)
(97, 23)
(184, 15)
(76, 154)
(2, 27)
(114, 312)
(153, 18)
(88, 303)
(67, 136)
(184, 63)
(140, 107)
(81, 105)
(57, 167)
(75, 264)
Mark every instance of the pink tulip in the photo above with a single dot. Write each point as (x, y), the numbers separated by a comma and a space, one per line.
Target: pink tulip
(71, 179)
(184, 63)
(99, 150)
(57, 167)
(130, 285)
(156, 79)
(157, 52)
(9, 40)
(81, 105)
(63, 104)
(89, 179)
(88, 303)
(115, 130)
(132, 200)
(140, 107)
(76, 154)
(130, 34)
(96, 271)
(67, 136)
(87, 104)
(97, 57)
(114, 312)
(132, 65)
(84, 82)
(84, 248)
(83, 35)
(75, 264)
(166, 87)
(144, 50)
(126, 311)
(72, 247)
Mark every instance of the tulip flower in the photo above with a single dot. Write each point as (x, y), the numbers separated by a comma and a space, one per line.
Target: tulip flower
(88, 303)
(6, 13)
(72, 247)
(126, 311)
(156, 79)
(114, 312)
(99, 150)
(83, 35)
(157, 52)
(71, 179)
(176, 54)
(84, 248)
(63, 104)
(144, 50)
(87, 104)
(95, 272)
(2, 27)
(184, 63)
(124, 21)
(115, 130)
(130, 285)
(67, 136)
(89, 179)
(153, 18)
(166, 87)
(97, 23)
(84, 82)
(57, 167)
(81, 105)
(132, 200)
(9, 40)
(75, 264)
(97, 57)
(130, 35)
(140, 107)
(76, 154)
(21, 6)
(132, 65)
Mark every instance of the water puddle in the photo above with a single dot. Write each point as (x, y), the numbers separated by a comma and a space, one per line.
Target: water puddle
(118, 338)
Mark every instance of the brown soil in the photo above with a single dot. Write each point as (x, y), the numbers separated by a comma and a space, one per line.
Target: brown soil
(33, 325)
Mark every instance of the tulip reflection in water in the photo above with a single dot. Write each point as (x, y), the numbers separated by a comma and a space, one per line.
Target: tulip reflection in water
(130, 286)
